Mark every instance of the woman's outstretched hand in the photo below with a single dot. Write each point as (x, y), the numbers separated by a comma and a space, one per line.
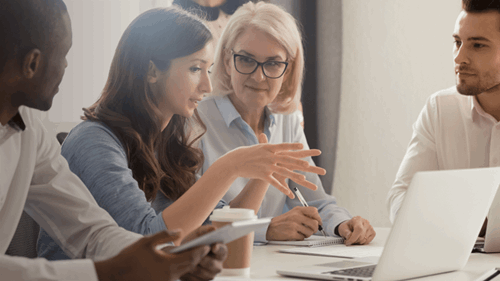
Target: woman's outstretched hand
(274, 163)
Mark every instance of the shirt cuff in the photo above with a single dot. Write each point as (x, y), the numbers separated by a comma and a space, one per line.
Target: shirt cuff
(336, 231)
(260, 235)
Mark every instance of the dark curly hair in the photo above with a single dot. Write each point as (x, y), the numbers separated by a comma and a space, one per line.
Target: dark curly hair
(160, 160)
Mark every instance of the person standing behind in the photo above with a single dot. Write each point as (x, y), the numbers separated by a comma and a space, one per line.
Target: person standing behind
(458, 127)
(36, 37)
(257, 78)
(216, 13)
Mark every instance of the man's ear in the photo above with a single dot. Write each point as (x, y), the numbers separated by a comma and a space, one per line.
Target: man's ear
(31, 63)
(153, 73)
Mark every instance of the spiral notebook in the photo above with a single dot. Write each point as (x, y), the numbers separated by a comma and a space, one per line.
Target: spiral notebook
(311, 241)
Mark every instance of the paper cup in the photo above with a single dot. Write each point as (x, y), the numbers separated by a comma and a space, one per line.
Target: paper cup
(240, 250)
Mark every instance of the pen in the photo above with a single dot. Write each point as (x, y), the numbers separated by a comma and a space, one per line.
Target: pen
(304, 203)
(488, 275)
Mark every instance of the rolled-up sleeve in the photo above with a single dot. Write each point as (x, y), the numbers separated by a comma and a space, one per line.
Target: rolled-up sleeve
(61, 204)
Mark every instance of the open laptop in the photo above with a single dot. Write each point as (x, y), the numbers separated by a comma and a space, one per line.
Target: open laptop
(433, 233)
(491, 242)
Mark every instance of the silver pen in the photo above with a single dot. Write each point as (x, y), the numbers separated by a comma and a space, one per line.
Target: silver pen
(304, 203)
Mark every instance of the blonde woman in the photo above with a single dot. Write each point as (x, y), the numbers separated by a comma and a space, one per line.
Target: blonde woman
(257, 78)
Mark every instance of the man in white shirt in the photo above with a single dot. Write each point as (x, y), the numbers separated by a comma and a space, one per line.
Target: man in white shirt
(458, 127)
(36, 36)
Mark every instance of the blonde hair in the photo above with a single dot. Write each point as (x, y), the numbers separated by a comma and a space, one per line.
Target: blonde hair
(281, 26)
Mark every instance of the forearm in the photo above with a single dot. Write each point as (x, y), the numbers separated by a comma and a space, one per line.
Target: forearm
(251, 196)
(20, 268)
(190, 210)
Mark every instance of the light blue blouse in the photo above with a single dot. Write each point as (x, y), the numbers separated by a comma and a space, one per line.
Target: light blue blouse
(96, 155)
(226, 130)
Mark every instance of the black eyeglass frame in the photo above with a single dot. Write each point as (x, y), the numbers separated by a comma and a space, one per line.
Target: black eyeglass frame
(261, 64)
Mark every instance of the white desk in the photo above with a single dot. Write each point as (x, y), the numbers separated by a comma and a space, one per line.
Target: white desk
(266, 259)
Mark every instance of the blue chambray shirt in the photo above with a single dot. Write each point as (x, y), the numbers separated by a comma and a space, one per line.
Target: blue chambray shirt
(96, 155)
(226, 130)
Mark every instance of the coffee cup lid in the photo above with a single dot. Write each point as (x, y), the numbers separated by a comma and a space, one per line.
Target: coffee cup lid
(228, 214)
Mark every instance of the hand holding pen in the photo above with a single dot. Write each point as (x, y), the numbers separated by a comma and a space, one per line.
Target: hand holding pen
(304, 203)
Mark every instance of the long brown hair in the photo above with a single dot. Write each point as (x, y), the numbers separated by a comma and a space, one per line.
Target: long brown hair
(160, 160)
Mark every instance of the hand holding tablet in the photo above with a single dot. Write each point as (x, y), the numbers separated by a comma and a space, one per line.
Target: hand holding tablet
(224, 234)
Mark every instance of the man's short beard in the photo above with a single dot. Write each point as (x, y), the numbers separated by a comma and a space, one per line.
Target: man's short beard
(468, 91)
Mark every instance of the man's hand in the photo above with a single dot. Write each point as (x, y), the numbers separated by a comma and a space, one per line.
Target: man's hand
(296, 224)
(357, 231)
(142, 261)
(211, 264)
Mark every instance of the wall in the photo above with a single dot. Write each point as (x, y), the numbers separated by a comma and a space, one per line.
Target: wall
(97, 27)
(395, 54)
(329, 73)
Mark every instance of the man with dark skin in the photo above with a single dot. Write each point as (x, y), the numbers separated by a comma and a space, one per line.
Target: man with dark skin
(36, 37)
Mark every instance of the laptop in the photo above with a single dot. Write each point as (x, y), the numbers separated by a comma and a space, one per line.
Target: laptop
(433, 233)
(491, 241)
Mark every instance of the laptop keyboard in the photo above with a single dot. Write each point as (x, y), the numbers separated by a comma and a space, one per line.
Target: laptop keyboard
(365, 271)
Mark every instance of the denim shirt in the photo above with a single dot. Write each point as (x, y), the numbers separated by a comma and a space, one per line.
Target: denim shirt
(96, 155)
(226, 130)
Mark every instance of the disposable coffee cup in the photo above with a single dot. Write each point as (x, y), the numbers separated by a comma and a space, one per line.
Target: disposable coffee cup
(240, 250)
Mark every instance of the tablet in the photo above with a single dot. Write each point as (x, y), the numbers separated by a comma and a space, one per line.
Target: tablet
(224, 234)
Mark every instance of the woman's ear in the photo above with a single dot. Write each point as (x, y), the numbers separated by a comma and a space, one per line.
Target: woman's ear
(153, 73)
(227, 62)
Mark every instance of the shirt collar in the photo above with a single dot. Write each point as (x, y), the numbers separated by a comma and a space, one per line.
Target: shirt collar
(17, 122)
(229, 112)
(477, 110)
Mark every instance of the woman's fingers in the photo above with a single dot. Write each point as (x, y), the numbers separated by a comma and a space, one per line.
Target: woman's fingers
(282, 159)
(301, 153)
(284, 147)
(310, 169)
(285, 189)
(307, 184)
(281, 179)
(262, 138)
(289, 174)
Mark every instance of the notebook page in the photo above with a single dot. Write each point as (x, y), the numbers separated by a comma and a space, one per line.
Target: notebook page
(311, 241)
(354, 251)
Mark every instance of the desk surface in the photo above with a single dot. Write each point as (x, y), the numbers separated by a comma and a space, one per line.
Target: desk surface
(266, 259)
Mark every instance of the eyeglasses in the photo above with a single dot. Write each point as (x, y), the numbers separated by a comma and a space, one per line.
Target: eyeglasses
(271, 69)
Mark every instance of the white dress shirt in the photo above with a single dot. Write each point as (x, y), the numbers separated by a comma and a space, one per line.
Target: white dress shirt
(451, 132)
(35, 177)
(226, 130)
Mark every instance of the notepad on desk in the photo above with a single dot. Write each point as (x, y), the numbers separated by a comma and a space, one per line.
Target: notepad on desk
(338, 251)
(311, 241)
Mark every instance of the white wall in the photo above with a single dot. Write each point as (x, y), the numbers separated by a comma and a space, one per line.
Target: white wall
(97, 27)
(395, 54)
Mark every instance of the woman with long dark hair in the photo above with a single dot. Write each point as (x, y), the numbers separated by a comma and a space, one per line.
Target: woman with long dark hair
(136, 142)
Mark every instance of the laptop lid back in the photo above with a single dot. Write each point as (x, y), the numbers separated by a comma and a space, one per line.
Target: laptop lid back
(492, 237)
(438, 223)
